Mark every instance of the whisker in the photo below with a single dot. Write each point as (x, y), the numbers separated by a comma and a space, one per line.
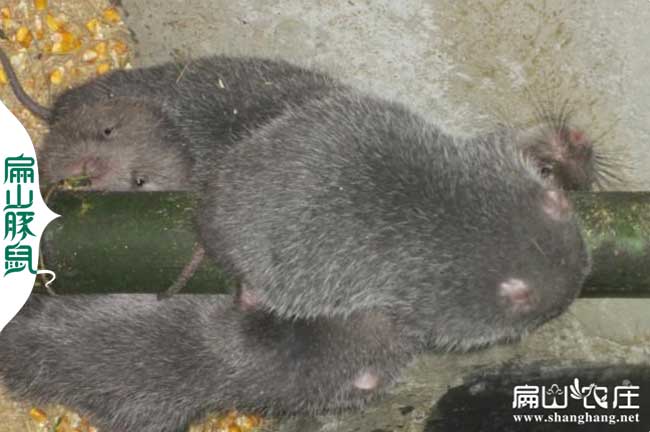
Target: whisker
(608, 129)
(539, 248)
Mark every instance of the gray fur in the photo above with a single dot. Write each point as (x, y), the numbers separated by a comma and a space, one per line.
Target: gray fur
(365, 234)
(168, 124)
(135, 364)
(350, 203)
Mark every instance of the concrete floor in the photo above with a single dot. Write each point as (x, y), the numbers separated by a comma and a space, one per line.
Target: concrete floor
(465, 65)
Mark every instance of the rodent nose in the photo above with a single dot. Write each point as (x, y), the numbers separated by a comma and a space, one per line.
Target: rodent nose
(556, 205)
(517, 294)
(94, 167)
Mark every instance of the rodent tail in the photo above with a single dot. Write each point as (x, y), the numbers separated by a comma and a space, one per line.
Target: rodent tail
(24, 98)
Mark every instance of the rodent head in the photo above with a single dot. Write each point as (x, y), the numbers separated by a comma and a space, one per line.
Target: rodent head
(118, 144)
(507, 255)
(563, 155)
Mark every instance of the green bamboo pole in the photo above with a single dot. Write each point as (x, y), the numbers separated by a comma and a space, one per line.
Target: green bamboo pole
(139, 242)
(124, 242)
(616, 226)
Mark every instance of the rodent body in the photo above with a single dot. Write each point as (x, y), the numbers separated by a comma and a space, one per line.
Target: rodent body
(135, 364)
(352, 203)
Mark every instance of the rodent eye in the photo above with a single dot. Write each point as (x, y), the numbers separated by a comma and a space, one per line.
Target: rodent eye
(546, 171)
(108, 131)
(140, 181)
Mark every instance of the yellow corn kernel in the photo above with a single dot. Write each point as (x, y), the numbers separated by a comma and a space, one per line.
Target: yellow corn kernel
(3, 77)
(64, 42)
(89, 56)
(120, 48)
(234, 428)
(101, 49)
(223, 423)
(93, 26)
(38, 28)
(247, 422)
(40, 4)
(103, 68)
(38, 415)
(6, 24)
(60, 48)
(5, 13)
(56, 77)
(24, 37)
(242, 422)
(63, 425)
(112, 15)
(85, 424)
(53, 23)
(64, 36)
